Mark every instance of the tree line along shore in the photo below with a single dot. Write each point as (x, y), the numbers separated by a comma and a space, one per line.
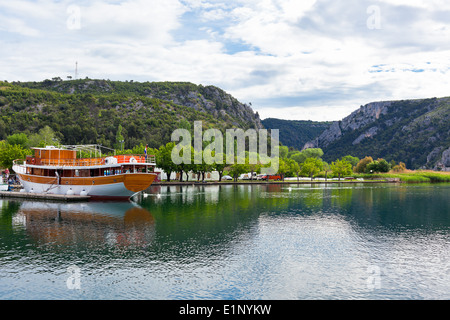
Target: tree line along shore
(293, 165)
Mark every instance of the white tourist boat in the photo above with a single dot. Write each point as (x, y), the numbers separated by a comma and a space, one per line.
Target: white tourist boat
(55, 170)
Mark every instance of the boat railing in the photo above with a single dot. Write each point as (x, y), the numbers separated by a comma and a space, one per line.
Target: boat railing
(85, 162)
(126, 158)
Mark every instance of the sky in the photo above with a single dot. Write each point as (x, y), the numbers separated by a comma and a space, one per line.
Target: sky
(291, 59)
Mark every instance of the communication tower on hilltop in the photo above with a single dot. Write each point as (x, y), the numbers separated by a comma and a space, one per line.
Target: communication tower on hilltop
(76, 70)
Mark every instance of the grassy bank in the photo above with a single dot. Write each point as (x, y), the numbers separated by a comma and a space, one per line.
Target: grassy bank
(409, 176)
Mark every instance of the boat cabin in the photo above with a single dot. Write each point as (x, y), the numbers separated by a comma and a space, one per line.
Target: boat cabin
(58, 162)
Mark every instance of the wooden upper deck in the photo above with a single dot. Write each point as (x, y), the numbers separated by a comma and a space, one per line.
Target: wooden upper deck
(54, 153)
(55, 157)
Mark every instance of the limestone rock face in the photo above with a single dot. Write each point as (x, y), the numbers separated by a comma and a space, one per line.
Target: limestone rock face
(415, 132)
(444, 163)
(368, 134)
(365, 115)
(358, 119)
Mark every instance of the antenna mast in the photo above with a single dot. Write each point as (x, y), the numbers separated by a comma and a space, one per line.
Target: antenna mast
(76, 70)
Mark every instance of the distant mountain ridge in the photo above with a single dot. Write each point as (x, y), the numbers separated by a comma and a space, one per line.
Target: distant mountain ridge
(87, 111)
(296, 133)
(416, 132)
(201, 98)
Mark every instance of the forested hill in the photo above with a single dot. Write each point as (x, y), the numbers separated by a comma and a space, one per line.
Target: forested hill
(295, 133)
(416, 132)
(91, 111)
(201, 98)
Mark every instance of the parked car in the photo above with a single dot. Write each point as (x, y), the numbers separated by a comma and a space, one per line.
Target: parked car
(227, 178)
(247, 176)
(271, 177)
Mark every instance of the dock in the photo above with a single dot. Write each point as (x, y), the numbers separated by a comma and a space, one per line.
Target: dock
(43, 196)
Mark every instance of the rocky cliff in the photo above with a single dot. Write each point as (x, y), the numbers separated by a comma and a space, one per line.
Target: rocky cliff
(213, 100)
(360, 118)
(443, 162)
(413, 131)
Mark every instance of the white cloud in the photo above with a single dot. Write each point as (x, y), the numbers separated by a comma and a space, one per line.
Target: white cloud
(316, 57)
(136, 20)
(18, 26)
(40, 9)
(423, 4)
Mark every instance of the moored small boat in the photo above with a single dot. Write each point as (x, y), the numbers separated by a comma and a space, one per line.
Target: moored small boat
(4, 186)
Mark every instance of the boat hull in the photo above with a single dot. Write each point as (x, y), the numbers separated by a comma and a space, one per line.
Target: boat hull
(122, 186)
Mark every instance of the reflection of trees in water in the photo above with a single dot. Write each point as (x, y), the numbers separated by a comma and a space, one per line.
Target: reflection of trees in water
(226, 212)
(421, 207)
(313, 198)
(341, 197)
(7, 210)
(213, 216)
(376, 204)
(188, 221)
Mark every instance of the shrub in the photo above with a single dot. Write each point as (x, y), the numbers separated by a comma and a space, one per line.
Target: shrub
(361, 166)
(379, 165)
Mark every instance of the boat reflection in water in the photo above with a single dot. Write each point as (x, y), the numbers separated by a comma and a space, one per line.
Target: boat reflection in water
(109, 223)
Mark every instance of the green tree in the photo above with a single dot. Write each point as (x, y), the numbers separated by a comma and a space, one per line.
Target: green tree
(383, 165)
(283, 167)
(341, 168)
(293, 168)
(361, 166)
(298, 157)
(9, 153)
(379, 165)
(46, 136)
(399, 167)
(119, 138)
(164, 159)
(200, 169)
(237, 169)
(283, 151)
(326, 168)
(219, 166)
(352, 160)
(301, 156)
(311, 167)
(20, 139)
(184, 124)
(372, 167)
(185, 167)
(316, 153)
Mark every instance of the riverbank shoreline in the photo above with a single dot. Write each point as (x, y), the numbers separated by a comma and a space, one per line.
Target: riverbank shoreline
(210, 183)
(401, 177)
